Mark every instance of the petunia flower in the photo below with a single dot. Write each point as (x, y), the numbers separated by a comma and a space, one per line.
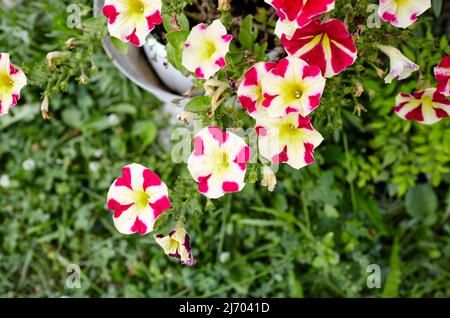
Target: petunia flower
(327, 44)
(137, 199)
(442, 73)
(219, 162)
(205, 49)
(12, 80)
(293, 86)
(427, 107)
(290, 139)
(250, 91)
(402, 13)
(132, 20)
(176, 244)
(401, 66)
(295, 14)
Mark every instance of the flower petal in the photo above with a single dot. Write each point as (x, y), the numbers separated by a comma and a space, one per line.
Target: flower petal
(205, 49)
(12, 80)
(290, 139)
(300, 12)
(427, 107)
(293, 86)
(442, 73)
(220, 166)
(402, 14)
(327, 44)
(137, 199)
(132, 20)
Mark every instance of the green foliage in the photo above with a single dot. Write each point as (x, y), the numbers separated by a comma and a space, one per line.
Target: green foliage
(378, 193)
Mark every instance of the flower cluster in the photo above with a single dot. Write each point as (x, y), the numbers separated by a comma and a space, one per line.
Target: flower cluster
(279, 96)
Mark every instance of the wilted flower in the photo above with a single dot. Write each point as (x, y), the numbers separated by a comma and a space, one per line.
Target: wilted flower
(327, 44)
(427, 107)
(290, 139)
(205, 49)
(132, 20)
(219, 162)
(250, 91)
(401, 66)
(402, 13)
(137, 198)
(442, 73)
(12, 80)
(176, 244)
(293, 86)
(295, 14)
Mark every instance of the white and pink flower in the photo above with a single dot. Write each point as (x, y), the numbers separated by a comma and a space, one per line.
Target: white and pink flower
(327, 44)
(206, 48)
(12, 80)
(293, 86)
(427, 107)
(401, 66)
(219, 162)
(250, 92)
(137, 199)
(132, 20)
(442, 73)
(290, 139)
(177, 245)
(295, 14)
(402, 13)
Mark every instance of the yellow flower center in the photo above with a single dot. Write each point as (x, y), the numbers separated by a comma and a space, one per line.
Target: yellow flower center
(292, 92)
(141, 199)
(221, 161)
(289, 132)
(210, 49)
(136, 7)
(6, 83)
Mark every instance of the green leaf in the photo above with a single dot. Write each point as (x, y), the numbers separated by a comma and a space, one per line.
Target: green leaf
(175, 48)
(198, 104)
(393, 280)
(247, 33)
(421, 203)
(122, 47)
(146, 131)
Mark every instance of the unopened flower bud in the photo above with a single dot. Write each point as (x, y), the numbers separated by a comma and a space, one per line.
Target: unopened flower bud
(44, 108)
(269, 179)
(54, 58)
(224, 5)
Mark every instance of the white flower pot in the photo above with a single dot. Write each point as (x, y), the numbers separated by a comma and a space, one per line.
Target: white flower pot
(149, 73)
(170, 76)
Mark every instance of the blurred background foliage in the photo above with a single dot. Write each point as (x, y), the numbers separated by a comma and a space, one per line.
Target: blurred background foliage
(378, 194)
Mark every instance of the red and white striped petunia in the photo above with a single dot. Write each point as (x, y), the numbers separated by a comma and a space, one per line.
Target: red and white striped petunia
(250, 91)
(290, 139)
(177, 245)
(295, 14)
(219, 162)
(205, 49)
(327, 44)
(12, 80)
(402, 13)
(427, 107)
(293, 86)
(442, 73)
(132, 20)
(137, 199)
